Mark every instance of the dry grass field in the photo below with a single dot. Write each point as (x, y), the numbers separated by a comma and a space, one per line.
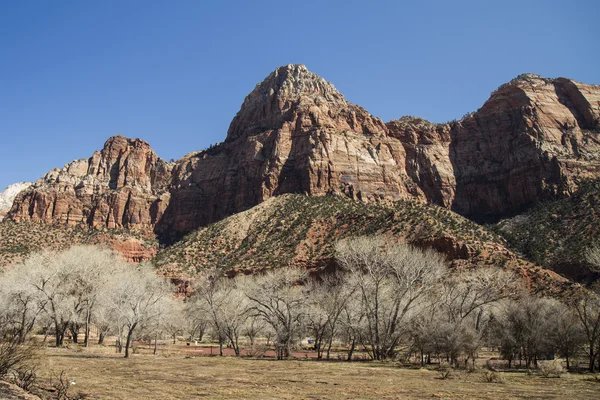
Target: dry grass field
(98, 373)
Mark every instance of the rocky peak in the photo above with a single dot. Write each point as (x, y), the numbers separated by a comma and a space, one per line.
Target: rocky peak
(128, 162)
(123, 185)
(293, 91)
(294, 81)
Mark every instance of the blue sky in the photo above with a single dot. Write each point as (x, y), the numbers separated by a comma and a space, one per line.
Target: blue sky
(174, 73)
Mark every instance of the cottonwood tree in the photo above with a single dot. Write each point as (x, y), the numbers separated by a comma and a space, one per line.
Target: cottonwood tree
(62, 286)
(587, 308)
(523, 329)
(19, 307)
(464, 303)
(134, 296)
(167, 322)
(389, 278)
(252, 328)
(234, 311)
(207, 301)
(327, 301)
(352, 321)
(196, 322)
(46, 274)
(89, 270)
(278, 298)
(567, 335)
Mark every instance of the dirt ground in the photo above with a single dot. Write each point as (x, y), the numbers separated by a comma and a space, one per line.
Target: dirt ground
(101, 374)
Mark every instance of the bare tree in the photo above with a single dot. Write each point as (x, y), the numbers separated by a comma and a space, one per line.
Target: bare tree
(62, 286)
(277, 297)
(523, 329)
(587, 307)
(168, 321)
(19, 306)
(390, 278)
(207, 301)
(464, 303)
(134, 295)
(234, 311)
(89, 270)
(252, 328)
(566, 335)
(46, 275)
(328, 299)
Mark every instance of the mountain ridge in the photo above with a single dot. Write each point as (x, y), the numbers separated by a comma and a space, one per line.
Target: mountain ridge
(534, 138)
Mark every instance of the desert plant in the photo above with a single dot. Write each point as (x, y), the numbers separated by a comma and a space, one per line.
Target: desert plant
(551, 369)
(493, 376)
(445, 370)
(61, 385)
(14, 355)
(24, 377)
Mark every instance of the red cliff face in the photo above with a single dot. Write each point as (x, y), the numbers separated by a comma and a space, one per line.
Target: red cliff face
(295, 133)
(532, 139)
(122, 186)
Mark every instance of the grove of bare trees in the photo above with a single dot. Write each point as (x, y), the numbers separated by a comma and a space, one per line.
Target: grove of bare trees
(386, 300)
(67, 292)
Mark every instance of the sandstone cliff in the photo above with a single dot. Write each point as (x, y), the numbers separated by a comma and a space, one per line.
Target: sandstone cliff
(295, 133)
(123, 185)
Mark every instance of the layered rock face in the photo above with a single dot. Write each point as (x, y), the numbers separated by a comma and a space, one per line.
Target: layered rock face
(295, 133)
(533, 138)
(125, 185)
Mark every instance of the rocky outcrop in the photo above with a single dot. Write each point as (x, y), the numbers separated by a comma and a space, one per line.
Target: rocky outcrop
(7, 196)
(295, 133)
(125, 185)
(534, 138)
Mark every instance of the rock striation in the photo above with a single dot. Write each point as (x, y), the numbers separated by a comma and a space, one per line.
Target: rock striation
(295, 133)
(125, 185)
(534, 138)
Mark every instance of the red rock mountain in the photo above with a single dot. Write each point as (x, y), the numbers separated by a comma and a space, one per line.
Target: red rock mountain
(123, 185)
(295, 133)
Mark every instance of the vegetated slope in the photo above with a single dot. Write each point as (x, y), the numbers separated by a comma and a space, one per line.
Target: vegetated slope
(302, 230)
(557, 233)
(17, 240)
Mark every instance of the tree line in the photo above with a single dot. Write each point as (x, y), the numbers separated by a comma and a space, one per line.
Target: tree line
(386, 299)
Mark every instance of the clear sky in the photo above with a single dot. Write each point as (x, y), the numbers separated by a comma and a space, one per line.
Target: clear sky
(174, 73)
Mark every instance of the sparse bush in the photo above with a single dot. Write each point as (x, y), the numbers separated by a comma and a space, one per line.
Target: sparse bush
(256, 351)
(13, 355)
(24, 377)
(493, 376)
(60, 386)
(551, 369)
(446, 371)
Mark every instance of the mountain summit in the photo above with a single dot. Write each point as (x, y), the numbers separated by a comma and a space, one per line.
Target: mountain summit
(293, 95)
(535, 138)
